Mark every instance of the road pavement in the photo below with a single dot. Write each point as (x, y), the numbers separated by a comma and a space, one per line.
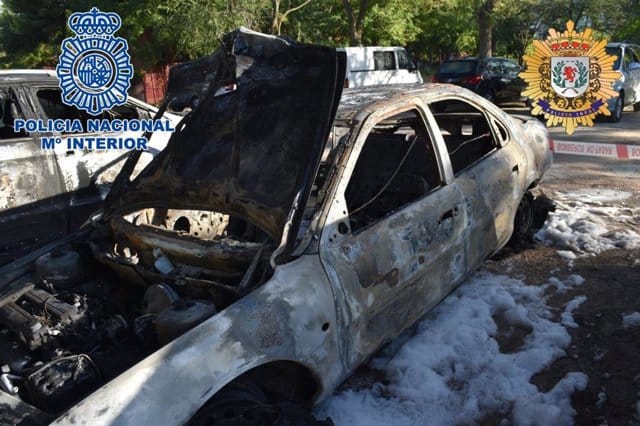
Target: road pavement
(626, 131)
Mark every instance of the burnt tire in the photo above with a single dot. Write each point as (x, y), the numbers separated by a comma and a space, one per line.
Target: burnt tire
(523, 224)
(244, 403)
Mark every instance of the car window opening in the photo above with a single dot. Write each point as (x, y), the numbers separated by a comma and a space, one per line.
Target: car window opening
(465, 131)
(51, 102)
(8, 114)
(397, 165)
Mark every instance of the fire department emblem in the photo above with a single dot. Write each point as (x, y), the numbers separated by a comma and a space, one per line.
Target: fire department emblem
(569, 78)
(94, 67)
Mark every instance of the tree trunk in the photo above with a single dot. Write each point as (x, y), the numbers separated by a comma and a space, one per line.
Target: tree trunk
(355, 21)
(485, 29)
(276, 17)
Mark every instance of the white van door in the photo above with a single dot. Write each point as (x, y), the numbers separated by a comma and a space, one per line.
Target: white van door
(407, 71)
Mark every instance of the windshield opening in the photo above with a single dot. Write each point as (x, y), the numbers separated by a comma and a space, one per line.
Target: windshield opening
(616, 51)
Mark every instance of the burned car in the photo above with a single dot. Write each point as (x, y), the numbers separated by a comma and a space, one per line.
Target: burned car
(286, 232)
(47, 193)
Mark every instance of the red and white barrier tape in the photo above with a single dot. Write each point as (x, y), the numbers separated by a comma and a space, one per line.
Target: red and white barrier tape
(608, 150)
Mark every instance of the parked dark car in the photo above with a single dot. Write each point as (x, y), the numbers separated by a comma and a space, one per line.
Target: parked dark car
(496, 79)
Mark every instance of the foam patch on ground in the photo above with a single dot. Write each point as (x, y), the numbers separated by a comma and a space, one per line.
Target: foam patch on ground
(451, 371)
(584, 224)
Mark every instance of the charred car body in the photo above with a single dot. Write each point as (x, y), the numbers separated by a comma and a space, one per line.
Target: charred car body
(273, 246)
(47, 193)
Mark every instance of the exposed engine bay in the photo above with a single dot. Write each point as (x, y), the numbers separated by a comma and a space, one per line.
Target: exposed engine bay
(87, 311)
(201, 226)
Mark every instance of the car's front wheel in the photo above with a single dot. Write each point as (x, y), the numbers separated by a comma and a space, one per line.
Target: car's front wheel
(636, 106)
(244, 403)
(616, 114)
(523, 224)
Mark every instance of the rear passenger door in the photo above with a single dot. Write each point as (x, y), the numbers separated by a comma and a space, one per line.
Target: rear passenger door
(395, 232)
(487, 167)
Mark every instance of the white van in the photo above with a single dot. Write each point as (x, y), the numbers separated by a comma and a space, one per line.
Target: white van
(372, 65)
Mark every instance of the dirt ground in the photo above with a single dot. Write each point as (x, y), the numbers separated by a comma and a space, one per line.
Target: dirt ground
(601, 348)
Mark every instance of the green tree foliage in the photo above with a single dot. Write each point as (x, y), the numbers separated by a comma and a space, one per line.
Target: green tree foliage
(29, 31)
(446, 29)
(161, 31)
(386, 22)
(158, 31)
(321, 22)
(165, 32)
(391, 22)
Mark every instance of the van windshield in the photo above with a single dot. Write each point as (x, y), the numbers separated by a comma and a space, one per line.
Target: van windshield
(404, 62)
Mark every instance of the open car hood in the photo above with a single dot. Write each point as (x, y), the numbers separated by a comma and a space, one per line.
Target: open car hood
(252, 152)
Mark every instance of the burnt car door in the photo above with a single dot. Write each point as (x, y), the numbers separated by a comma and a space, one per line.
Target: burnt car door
(393, 241)
(487, 167)
(31, 211)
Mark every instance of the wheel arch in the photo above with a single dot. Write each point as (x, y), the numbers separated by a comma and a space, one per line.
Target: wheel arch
(286, 379)
(274, 381)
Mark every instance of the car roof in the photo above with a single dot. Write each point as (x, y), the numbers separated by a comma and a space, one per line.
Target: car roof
(621, 44)
(24, 76)
(367, 99)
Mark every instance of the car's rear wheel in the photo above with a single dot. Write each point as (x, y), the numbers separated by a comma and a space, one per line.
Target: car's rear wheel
(244, 403)
(524, 220)
(616, 114)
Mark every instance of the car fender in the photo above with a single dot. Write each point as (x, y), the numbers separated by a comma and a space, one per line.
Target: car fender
(292, 317)
(533, 137)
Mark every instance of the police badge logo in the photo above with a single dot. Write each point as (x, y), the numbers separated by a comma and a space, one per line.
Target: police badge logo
(569, 78)
(94, 67)
(569, 75)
